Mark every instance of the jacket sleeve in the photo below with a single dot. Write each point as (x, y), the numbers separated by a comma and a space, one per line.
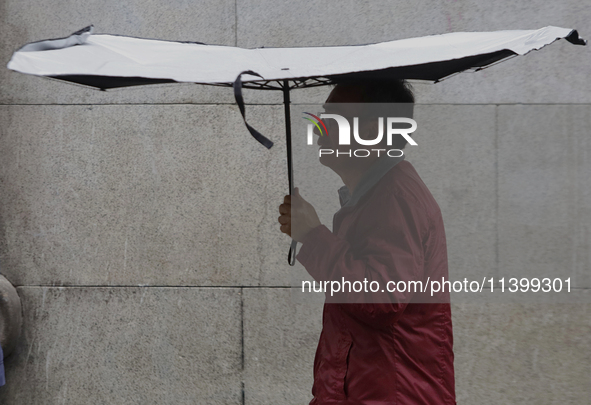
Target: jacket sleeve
(385, 246)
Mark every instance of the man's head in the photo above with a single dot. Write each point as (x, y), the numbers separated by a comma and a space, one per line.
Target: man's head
(367, 99)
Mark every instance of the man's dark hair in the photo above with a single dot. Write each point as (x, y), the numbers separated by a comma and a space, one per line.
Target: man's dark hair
(382, 90)
(379, 90)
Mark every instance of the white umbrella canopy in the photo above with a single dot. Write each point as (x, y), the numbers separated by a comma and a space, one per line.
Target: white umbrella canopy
(113, 58)
(110, 61)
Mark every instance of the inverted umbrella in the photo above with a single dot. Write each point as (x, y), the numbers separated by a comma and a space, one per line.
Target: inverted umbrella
(106, 61)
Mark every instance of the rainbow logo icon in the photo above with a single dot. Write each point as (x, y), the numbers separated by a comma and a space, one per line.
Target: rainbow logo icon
(316, 123)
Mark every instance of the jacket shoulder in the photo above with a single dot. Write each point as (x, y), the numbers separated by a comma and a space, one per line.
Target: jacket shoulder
(404, 181)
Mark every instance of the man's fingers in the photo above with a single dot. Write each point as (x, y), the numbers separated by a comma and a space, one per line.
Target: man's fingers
(285, 209)
(287, 199)
(284, 220)
(286, 229)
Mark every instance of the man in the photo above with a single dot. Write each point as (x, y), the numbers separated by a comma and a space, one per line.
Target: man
(389, 229)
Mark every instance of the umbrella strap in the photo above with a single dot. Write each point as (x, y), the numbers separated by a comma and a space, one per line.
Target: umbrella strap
(263, 140)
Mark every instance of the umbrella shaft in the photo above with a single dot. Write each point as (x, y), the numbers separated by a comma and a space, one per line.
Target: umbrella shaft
(286, 103)
(292, 249)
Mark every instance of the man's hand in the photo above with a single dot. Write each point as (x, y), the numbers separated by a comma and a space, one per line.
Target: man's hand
(304, 216)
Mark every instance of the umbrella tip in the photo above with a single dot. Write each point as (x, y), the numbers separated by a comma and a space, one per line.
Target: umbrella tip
(573, 38)
(89, 29)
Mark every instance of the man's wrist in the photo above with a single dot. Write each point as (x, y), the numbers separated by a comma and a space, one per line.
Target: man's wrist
(314, 246)
(308, 235)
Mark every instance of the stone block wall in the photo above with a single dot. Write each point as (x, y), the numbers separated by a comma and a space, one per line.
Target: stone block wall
(139, 225)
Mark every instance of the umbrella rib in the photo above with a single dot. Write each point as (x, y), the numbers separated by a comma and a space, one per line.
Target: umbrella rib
(475, 69)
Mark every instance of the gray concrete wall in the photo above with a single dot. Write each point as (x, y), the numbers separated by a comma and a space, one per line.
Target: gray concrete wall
(144, 242)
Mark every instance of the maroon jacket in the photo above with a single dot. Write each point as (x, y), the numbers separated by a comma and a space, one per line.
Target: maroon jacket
(395, 352)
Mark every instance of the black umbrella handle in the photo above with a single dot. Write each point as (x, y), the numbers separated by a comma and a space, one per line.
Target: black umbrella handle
(291, 255)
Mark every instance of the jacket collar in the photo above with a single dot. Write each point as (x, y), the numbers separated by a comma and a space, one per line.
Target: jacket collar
(369, 179)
